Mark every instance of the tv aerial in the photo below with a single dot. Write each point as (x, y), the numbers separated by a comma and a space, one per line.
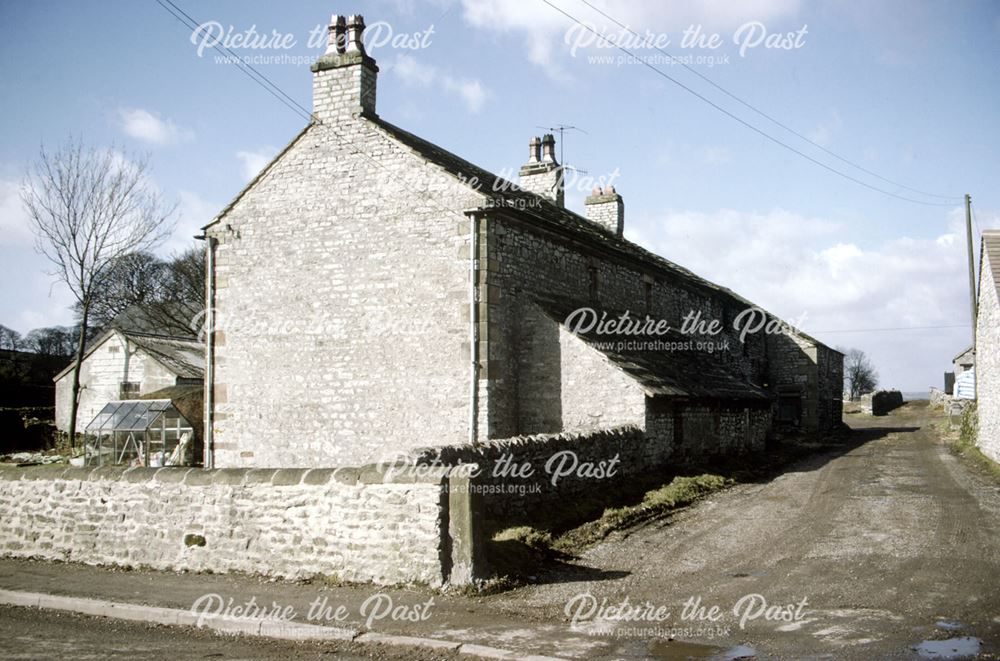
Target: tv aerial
(561, 130)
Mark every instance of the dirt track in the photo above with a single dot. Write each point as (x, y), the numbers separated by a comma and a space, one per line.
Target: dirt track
(892, 541)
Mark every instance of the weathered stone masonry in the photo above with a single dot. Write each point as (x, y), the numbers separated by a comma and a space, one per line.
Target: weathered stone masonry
(987, 356)
(342, 306)
(356, 524)
(343, 295)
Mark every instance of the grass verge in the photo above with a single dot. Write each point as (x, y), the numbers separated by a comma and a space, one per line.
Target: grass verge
(964, 443)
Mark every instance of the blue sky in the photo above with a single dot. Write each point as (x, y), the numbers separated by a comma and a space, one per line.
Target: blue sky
(906, 89)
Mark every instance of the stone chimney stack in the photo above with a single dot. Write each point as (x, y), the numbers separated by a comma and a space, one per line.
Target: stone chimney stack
(344, 77)
(606, 208)
(542, 174)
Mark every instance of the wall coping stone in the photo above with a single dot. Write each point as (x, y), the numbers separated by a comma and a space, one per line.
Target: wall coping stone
(318, 476)
(348, 476)
(81, 473)
(135, 475)
(414, 472)
(198, 478)
(257, 475)
(173, 474)
(558, 440)
(48, 472)
(230, 476)
(285, 477)
(110, 472)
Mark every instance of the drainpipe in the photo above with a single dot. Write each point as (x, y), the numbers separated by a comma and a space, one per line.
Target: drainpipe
(208, 458)
(473, 326)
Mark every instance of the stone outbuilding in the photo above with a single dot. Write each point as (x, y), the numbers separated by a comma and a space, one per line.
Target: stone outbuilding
(127, 365)
(371, 292)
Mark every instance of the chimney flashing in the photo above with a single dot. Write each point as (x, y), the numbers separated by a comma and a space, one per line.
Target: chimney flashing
(338, 60)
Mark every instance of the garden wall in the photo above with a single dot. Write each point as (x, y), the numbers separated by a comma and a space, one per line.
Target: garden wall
(356, 524)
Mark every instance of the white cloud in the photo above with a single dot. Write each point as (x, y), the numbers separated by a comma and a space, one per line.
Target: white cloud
(545, 28)
(417, 74)
(193, 213)
(825, 131)
(471, 91)
(412, 71)
(716, 155)
(794, 265)
(15, 228)
(149, 127)
(254, 160)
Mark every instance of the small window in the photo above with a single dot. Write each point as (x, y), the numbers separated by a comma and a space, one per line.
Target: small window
(129, 390)
(789, 408)
(595, 283)
(113, 348)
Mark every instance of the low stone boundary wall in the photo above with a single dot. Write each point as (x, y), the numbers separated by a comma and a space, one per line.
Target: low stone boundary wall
(521, 479)
(520, 474)
(357, 524)
(939, 398)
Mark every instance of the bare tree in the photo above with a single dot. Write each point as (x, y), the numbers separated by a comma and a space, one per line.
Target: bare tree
(56, 341)
(183, 293)
(860, 376)
(89, 208)
(10, 339)
(133, 280)
(141, 292)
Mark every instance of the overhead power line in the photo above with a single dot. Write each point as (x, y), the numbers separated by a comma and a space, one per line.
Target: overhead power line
(742, 121)
(770, 118)
(238, 61)
(275, 91)
(898, 328)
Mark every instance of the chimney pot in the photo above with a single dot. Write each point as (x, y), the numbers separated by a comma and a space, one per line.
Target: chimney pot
(549, 148)
(534, 150)
(336, 35)
(355, 34)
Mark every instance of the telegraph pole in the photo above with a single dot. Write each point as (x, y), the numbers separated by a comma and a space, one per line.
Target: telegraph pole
(972, 265)
(972, 281)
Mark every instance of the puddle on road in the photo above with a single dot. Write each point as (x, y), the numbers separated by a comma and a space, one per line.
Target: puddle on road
(738, 652)
(675, 650)
(948, 625)
(953, 648)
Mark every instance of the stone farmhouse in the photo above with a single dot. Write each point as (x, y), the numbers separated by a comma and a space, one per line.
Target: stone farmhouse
(396, 296)
(126, 365)
(369, 294)
(987, 350)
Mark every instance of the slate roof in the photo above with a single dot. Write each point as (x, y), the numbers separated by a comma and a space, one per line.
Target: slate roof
(991, 250)
(183, 357)
(543, 210)
(538, 209)
(966, 350)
